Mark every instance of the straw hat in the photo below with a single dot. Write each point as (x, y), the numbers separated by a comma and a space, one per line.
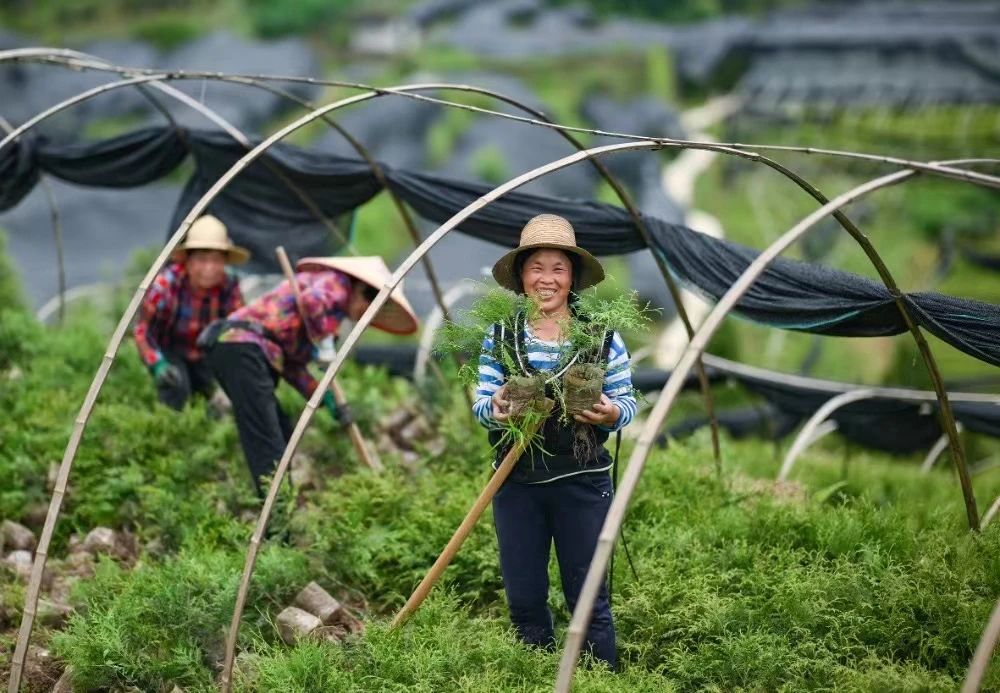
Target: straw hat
(548, 231)
(208, 233)
(396, 315)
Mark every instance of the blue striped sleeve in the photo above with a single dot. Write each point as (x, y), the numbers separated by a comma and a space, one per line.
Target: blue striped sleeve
(490, 380)
(618, 383)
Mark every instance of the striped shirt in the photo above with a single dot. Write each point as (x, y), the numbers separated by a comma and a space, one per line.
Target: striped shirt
(545, 356)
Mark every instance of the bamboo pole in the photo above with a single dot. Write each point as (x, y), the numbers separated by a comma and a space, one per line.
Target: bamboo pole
(370, 458)
(984, 652)
(475, 512)
(616, 514)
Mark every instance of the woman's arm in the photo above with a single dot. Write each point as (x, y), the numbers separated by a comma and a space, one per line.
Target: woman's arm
(618, 383)
(491, 379)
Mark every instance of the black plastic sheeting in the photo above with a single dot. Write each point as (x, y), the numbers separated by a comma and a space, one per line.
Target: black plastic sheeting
(262, 211)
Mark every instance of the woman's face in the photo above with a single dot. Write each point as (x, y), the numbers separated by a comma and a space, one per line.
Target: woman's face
(547, 277)
(206, 268)
(358, 303)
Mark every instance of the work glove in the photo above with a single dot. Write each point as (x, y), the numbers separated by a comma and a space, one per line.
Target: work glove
(166, 374)
(341, 414)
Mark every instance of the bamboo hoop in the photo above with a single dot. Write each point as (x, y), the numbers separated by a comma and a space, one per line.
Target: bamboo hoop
(616, 514)
(353, 336)
(468, 522)
(984, 652)
(357, 440)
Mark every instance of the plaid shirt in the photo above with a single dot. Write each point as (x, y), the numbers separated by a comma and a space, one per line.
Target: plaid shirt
(325, 296)
(173, 313)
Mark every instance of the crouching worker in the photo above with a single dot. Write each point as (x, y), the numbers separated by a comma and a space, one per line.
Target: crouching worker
(562, 493)
(191, 292)
(270, 338)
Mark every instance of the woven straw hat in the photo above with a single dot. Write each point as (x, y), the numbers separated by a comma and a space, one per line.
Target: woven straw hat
(548, 231)
(208, 233)
(396, 316)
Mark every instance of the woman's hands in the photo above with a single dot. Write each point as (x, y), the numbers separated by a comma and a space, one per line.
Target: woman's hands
(603, 413)
(501, 406)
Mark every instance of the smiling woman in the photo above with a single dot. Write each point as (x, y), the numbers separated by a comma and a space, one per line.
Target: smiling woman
(560, 489)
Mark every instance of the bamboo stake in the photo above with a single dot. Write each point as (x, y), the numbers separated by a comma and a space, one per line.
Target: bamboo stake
(460, 535)
(984, 652)
(369, 457)
(616, 514)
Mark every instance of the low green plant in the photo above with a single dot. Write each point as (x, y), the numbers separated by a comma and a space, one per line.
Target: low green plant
(163, 624)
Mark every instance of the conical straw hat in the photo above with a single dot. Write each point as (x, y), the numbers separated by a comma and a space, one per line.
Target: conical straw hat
(548, 231)
(396, 315)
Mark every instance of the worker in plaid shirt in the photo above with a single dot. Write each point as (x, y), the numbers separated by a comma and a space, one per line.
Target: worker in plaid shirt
(273, 338)
(191, 292)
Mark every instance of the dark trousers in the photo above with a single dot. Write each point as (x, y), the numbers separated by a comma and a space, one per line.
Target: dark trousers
(529, 518)
(196, 376)
(249, 382)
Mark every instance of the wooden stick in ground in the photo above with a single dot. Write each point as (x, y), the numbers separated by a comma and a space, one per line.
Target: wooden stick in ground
(455, 543)
(369, 457)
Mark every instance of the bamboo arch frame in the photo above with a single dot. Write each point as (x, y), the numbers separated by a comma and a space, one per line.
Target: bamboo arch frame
(616, 514)
(66, 55)
(352, 338)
